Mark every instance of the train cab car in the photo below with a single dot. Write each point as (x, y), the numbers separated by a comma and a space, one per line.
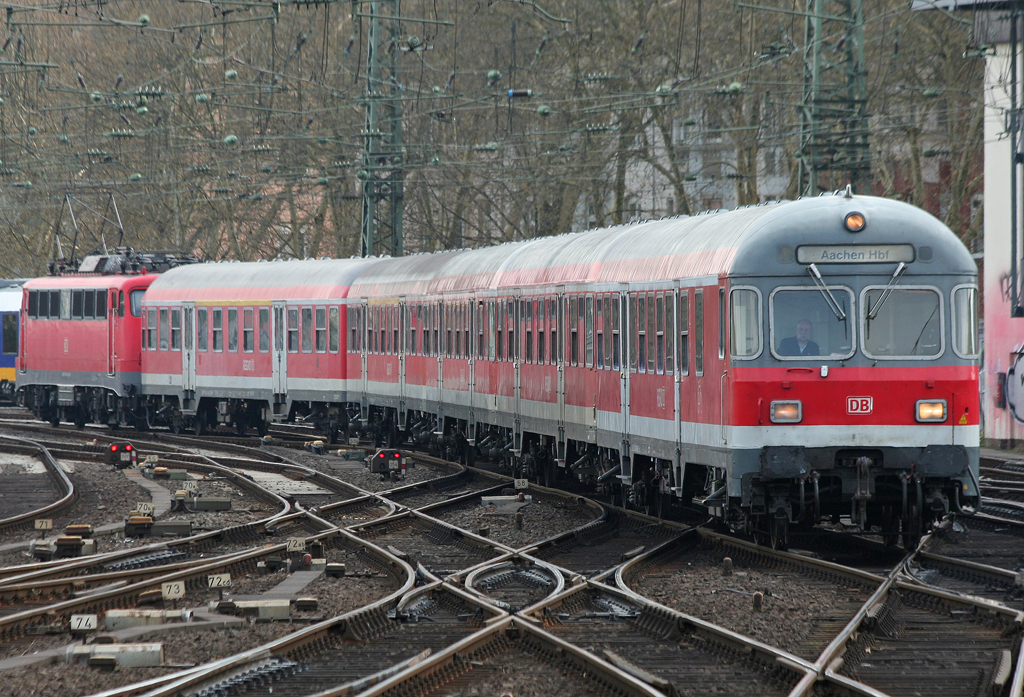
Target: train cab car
(244, 344)
(10, 314)
(852, 381)
(80, 358)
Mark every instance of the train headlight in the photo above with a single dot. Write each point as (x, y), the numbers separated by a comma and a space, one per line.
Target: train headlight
(855, 222)
(931, 410)
(790, 412)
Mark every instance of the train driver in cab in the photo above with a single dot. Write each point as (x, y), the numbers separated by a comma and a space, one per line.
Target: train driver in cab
(801, 344)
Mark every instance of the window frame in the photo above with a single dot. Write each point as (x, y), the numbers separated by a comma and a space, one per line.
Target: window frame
(217, 330)
(202, 318)
(682, 330)
(697, 331)
(862, 317)
(320, 333)
(233, 330)
(265, 329)
(855, 326)
(760, 324)
(150, 327)
(292, 330)
(248, 330)
(953, 325)
(175, 330)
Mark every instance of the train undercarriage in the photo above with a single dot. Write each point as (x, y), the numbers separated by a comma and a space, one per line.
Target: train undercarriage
(857, 489)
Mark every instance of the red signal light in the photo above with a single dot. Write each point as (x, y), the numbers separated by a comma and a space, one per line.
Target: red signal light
(396, 454)
(113, 448)
(128, 447)
(381, 456)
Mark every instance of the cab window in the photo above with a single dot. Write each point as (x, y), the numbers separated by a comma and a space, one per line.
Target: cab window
(805, 325)
(906, 323)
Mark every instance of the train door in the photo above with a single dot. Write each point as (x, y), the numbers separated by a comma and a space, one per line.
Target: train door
(623, 324)
(402, 322)
(436, 323)
(517, 342)
(475, 316)
(279, 357)
(559, 359)
(188, 348)
(112, 315)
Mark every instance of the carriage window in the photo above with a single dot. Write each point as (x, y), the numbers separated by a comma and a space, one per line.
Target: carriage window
(600, 331)
(10, 336)
(165, 333)
(965, 322)
(333, 333)
(745, 323)
(554, 319)
(684, 332)
(804, 325)
(907, 323)
(650, 334)
(247, 330)
(574, 330)
(77, 301)
(698, 331)
(201, 329)
(616, 334)
(101, 304)
(660, 329)
(134, 299)
(232, 329)
(321, 330)
(528, 333)
(632, 332)
(721, 323)
(670, 335)
(33, 304)
(264, 329)
(176, 329)
(307, 331)
(293, 330)
(641, 319)
(588, 331)
(218, 329)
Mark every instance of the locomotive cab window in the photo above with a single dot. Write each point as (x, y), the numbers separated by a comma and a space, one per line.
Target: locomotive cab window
(135, 299)
(805, 325)
(744, 323)
(903, 322)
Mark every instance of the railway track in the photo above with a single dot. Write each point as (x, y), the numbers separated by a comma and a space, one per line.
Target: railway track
(459, 606)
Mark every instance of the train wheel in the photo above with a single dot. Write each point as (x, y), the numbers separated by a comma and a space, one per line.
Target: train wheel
(240, 426)
(199, 424)
(262, 427)
(55, 419)
(177, 425)
(79, 418)
(779, 537)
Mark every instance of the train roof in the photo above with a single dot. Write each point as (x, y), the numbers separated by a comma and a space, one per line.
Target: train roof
(749, 241)
(89, 280)
(299, 278)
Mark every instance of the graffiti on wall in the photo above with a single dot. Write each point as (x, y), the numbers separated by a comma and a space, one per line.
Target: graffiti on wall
(1014, 388)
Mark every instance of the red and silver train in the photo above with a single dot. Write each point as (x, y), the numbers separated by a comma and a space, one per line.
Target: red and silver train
(773, 365)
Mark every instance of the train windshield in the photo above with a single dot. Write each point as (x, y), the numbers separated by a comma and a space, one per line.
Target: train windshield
(804, 326)
(907, 325)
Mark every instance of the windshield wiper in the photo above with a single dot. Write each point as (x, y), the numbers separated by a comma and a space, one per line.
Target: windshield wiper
(833, 304)
(873, 311)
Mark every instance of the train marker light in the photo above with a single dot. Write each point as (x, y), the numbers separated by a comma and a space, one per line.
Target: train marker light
(931, 411)
(855, 222)
(789, 412)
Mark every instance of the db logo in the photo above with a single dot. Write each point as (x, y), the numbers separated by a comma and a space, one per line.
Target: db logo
(859, 405)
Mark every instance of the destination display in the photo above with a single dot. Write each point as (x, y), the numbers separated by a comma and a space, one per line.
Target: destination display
(855, 253)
